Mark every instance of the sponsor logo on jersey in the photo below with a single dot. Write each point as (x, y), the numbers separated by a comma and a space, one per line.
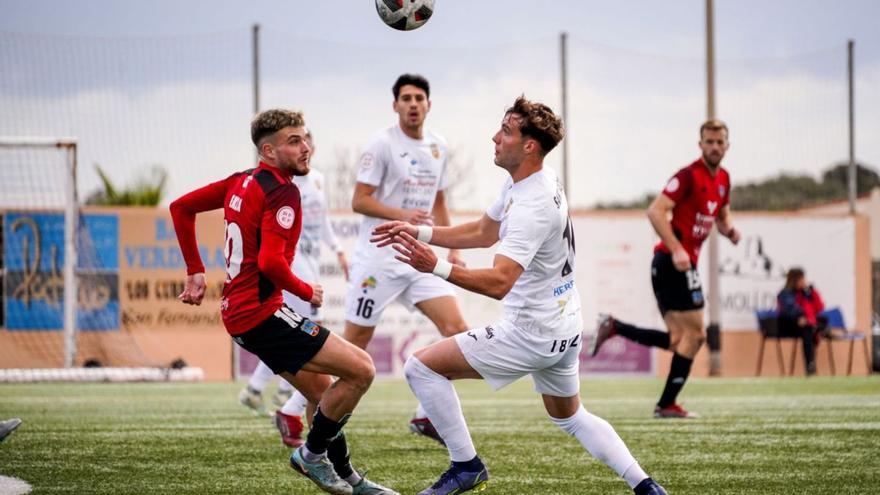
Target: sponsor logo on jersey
(310, 327)
(562, 289)
(672, 185)
(235, 203)
(435, 151)
(285, 217)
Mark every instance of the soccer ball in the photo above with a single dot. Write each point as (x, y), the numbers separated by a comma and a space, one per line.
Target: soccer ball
(405, 15)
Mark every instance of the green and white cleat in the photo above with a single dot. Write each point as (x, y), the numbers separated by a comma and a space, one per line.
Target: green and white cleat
(367, 487)
(321, 473)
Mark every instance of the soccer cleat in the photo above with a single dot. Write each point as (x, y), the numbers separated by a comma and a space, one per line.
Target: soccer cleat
(456, 480)
(674, 411)
(7, 427)
(424, 427)
(252, 400)
(280, 397)
(604, 331)
(367, 487)
(321, 473)
(290, 427)
(649, 487)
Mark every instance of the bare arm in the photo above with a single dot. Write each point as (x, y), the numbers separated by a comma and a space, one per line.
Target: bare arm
(493, 282)
(480, 233)
(441, 218)
(658, 214)
(363, 202)
(725, 225)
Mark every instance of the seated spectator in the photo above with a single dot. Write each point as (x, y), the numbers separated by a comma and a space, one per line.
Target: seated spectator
(799, 305)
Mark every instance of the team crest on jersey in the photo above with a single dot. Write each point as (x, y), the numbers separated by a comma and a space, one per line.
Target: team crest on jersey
(435, 151)
(310, 327)
(285, 217)
(721, 191)
(368, 283)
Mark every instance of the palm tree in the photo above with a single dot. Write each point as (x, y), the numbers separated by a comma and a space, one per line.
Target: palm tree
(147, 190)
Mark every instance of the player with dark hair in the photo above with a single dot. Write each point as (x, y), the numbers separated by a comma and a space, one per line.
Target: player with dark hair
(263, 218)
(402, 176)
(540, 332)
(696, 197)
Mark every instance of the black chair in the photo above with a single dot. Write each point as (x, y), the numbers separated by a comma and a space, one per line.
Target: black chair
(768, 325)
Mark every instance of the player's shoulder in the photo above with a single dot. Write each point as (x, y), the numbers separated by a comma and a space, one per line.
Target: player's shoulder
(382, 137)
(540, 193)
(434, 138)
(275, 187)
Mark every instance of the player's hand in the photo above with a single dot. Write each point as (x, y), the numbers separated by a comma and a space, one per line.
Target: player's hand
(455, 258)
(343, 263)
(414, 253)
(681, 260)
(317, 296)
(802, 321)
(193, 289)
(733, 235)
(385, 233)
(418, 217)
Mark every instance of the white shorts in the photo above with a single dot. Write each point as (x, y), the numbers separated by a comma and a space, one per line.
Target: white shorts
(502, 354)
(371, 290)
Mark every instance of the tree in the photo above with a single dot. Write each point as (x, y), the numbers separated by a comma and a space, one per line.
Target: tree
(147, 189)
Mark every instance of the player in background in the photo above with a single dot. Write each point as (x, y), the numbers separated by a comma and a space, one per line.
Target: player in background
(695, 198)
(263, 219)
(402, 176)
(540, 331)
(316, 229)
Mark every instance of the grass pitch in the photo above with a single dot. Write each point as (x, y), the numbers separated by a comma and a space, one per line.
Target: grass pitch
(761, 436)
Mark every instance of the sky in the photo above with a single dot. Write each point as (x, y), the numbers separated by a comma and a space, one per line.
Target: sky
(168, 82)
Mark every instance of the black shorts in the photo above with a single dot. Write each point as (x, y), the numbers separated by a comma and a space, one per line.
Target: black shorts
(284, 341)
(675, 290)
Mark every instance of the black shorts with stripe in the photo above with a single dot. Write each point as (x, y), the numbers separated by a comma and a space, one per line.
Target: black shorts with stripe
(675, 290)
(284, 341)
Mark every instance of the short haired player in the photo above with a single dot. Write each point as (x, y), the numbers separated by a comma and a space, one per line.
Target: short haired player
(695, 198)
(263, 218)
(540, 331)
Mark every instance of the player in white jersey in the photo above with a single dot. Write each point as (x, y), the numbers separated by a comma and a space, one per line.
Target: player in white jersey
(316, 229)
(402, 176)
(540, 331)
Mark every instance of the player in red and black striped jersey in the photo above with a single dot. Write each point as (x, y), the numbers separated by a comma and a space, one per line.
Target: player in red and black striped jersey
(697, 197)
(263, 219)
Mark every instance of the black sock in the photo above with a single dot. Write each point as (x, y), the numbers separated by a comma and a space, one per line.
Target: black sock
(338, 454)
(678, 373)
(474, 464)
(644, 336)
(323, 431)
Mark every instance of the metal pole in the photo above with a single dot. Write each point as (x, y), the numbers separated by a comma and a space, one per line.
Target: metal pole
(255, 43)
(713, 332)
(563, 59)
(850, 46)
(71, 222)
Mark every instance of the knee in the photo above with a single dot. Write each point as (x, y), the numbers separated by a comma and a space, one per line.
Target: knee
(363, 373)
(674, 340)
(454, 327)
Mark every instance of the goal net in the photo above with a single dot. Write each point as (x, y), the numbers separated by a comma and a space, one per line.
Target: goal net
(59, 304)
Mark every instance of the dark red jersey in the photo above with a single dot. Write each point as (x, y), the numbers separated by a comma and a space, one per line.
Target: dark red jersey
(260, 206)
(698, 198)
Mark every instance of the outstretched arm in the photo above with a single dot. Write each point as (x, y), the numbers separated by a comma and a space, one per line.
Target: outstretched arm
(493, 282)
(480, 233)
(183, 214)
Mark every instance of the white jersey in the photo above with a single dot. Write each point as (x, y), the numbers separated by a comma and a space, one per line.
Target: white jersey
(407, 174)
(536, 232)
(316, 227)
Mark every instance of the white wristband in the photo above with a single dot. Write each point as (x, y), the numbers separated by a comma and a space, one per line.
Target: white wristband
(442, 269)
(425, 234)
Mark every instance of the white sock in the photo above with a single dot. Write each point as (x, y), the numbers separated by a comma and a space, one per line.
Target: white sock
(262, 375)
(311, 456)
(295, 405)
(284, 385)
(440, 402)
(600, 439)
(420, 411)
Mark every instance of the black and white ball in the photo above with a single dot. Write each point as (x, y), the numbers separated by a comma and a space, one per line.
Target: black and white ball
(405, 15)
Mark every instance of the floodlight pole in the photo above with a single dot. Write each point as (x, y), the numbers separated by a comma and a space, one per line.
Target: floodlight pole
(850, 47)
(713, 332)
(563, 59)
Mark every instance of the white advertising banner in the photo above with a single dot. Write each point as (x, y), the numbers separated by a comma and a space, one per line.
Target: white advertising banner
(613, 259)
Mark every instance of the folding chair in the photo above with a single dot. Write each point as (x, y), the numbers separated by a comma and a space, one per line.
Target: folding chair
(837, 331)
